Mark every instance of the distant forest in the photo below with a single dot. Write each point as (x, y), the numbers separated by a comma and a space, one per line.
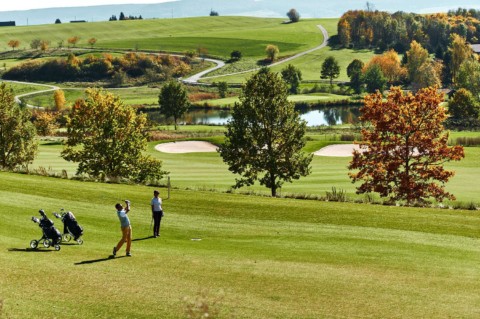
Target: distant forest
(383, 30)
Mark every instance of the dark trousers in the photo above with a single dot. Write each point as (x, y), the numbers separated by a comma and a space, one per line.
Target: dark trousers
(157, 218)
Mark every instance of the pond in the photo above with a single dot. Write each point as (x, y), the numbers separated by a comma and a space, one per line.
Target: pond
(325, 116)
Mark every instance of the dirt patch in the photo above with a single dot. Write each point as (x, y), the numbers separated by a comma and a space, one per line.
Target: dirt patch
(186, 147)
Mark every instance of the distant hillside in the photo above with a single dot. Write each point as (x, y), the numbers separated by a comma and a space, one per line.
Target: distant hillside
(256, 8)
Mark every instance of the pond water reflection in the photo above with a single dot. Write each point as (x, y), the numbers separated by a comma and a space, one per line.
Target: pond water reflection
(315, 117)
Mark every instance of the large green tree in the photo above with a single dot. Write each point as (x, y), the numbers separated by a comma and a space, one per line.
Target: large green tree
(292, 76)
(468, 77)
(107, 139)
(265, 137)
(173, 101)
(330, 69)
(374, 79)
(463, 105)
(404, 147)
(17, 134)
(354, 72)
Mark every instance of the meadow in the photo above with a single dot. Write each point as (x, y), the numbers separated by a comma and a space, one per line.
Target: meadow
(148, 96)
(219, 35)
(216, 36)
(310, 64)
(245, 256)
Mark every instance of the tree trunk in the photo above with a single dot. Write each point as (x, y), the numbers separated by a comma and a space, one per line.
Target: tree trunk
(274, 191)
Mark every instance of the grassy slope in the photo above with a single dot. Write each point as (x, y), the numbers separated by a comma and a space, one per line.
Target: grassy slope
(219, 35)
(311, 64)
(268, 258)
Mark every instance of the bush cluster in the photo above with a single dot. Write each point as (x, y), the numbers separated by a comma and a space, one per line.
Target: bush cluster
(93, 68)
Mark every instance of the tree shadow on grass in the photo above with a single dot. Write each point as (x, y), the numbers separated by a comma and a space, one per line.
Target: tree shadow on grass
(111, 257)
(30, 250)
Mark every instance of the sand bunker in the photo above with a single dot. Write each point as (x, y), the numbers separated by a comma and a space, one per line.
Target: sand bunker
(186, 147)
(340, 150)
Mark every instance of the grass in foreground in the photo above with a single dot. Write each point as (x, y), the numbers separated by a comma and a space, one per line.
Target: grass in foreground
(261, 257)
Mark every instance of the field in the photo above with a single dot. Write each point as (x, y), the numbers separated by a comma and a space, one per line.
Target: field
(232, 254)
(311, 63)
(206, 171)
(247, 256)
(219, 35)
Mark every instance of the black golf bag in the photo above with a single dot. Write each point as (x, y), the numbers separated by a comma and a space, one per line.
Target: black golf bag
(71, 228)
(51, 236)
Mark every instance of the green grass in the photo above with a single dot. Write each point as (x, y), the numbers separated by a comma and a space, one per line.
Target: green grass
(207, 170)
(219, 35)
(22, 88)
(149, 96)
(263, 257)
(310, 65)
(319, 97)
(131, 96)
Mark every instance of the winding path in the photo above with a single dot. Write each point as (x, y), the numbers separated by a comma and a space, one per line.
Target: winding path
(194, 79)
(18, 97)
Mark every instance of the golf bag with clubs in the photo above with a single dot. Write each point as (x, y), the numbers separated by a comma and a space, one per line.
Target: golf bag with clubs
(71, 228)
(50, 235)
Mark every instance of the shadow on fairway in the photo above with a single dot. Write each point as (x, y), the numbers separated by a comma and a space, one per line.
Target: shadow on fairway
(30, 250)
(98, 260)
(144, 238)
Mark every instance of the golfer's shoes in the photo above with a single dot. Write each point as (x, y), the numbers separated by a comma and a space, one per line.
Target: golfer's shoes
(114, 253)
(128, 254)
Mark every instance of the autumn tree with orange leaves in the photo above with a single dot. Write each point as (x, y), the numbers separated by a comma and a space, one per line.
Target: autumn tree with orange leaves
(13, 44)
(404, 147)
(391, 66)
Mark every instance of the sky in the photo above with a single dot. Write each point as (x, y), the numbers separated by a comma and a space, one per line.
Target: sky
(36, 4)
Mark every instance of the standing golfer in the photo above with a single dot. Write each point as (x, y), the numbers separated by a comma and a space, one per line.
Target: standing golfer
(157, 212)
(126, 227)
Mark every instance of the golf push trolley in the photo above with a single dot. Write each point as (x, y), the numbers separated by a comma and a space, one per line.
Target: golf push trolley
(71, 228)
(50, 235)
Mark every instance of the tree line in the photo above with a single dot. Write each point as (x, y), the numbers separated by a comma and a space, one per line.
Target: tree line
(383, 30)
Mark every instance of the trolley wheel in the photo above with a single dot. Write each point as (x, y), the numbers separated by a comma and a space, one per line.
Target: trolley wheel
(57, 247)
(67, 237)
(33, 244)
(46, 243)
(80, 241)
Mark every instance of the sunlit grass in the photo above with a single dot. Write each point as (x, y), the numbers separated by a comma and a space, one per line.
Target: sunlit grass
(260, 257)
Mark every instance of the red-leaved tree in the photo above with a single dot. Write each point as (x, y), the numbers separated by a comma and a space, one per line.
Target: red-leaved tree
(404, 147)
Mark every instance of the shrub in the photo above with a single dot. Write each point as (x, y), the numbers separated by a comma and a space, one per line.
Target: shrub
(468, 141)
(200, 96)
(336, 196)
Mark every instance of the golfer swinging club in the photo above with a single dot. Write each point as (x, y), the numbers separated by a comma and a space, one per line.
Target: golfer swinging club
(125, 226)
